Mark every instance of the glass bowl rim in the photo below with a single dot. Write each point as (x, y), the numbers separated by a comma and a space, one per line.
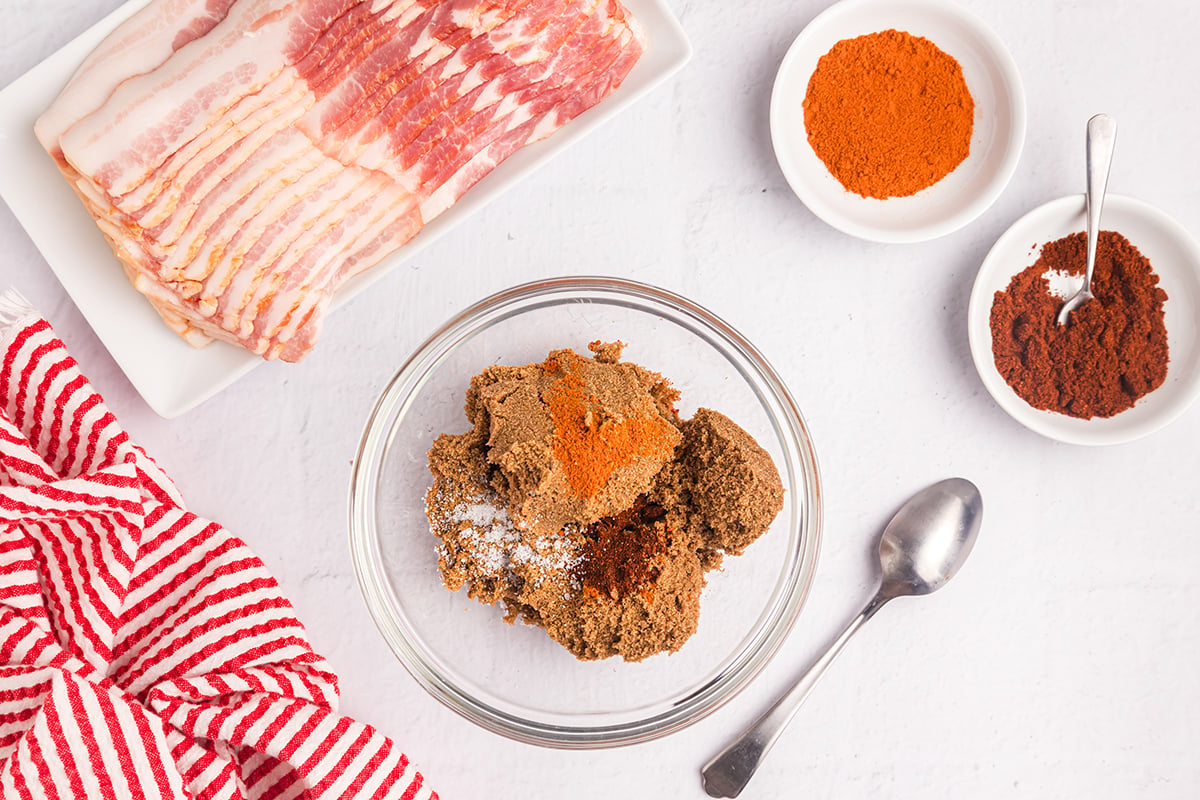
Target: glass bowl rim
(391, 408)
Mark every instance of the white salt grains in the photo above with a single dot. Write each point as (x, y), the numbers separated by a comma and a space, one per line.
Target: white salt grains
(483, 533)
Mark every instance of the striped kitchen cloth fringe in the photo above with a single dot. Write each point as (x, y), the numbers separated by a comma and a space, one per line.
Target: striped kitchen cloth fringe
(145, 651)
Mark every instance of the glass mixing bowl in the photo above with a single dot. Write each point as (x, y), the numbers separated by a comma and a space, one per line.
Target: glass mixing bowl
(513, 679)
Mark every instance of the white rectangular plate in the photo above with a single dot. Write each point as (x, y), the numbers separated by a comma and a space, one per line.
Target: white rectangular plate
(170, 375)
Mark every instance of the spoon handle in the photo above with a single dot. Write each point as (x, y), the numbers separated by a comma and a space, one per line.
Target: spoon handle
(1101, 138)
(731, 769)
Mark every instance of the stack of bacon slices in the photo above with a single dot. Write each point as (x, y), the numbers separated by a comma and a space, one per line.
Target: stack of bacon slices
(244, 158)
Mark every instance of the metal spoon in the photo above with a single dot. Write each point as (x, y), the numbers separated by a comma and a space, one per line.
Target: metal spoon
(922, 547)
(1101, 138)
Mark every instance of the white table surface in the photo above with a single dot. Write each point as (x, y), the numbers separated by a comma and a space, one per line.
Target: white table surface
(1062, 662)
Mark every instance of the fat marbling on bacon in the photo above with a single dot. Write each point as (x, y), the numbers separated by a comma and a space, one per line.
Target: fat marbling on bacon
(244, 158)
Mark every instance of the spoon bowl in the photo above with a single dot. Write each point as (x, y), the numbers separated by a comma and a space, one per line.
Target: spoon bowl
(921, 549)
(930, 537)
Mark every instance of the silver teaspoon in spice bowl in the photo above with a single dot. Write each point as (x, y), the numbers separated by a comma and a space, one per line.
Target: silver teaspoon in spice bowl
(1101, 138)
(922, 547)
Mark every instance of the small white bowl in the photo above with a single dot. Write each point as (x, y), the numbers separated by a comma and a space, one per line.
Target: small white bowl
(996, 141)
(1175, 258)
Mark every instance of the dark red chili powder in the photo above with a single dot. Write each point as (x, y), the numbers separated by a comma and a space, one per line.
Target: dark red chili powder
(1112, 352)
(622, 551)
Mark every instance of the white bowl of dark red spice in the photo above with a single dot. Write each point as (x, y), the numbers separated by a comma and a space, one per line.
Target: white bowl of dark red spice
(1129, 362)
(412, 536)
(897, 120)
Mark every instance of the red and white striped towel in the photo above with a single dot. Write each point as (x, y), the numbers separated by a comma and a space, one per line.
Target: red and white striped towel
(144, 651)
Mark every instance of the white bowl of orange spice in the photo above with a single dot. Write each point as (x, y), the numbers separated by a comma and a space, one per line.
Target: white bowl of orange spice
(1128, 363)
(897, 120)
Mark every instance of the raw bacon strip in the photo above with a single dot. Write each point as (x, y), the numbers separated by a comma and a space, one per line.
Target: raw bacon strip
(458, 128)
(247, 122)
(375, 220)
(227, 199)
(412, 115)
(356, 195)
(350, 38)
(424, 36)
(139, 45)
(405, 96)
(537, 117)
(251, 155)
(284, 201)
(150, 116)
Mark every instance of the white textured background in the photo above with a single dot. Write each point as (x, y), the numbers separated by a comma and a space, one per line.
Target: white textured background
(1063, 662)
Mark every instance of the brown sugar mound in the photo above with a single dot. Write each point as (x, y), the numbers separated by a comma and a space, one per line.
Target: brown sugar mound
(610, 565)
(574, 439)
(732, 483)
(658, 613)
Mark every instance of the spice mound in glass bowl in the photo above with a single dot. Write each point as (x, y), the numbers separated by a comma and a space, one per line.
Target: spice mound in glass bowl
(516, 680)
(583, 503)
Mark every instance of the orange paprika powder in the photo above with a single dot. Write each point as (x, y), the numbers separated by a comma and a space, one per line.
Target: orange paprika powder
(889, 113)
(589, 445)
